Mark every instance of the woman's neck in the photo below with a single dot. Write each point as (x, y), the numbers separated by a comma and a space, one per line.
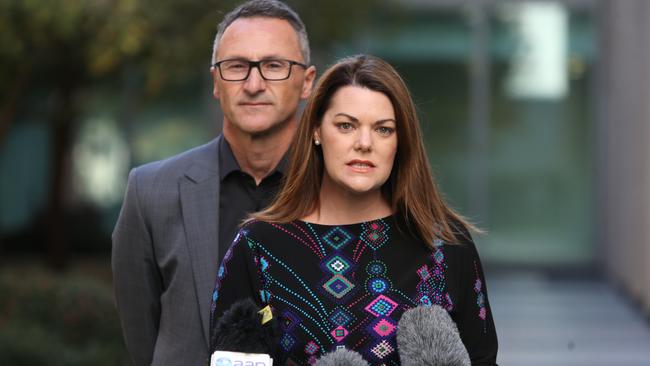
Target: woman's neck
(339, 207)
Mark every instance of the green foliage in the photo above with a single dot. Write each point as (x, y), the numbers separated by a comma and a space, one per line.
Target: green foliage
(86, 39)
(334, 21)
(57, 320)
(166, 41)
(91, 35)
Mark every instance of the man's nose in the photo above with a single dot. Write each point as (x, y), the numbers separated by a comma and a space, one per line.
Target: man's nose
(255, 83)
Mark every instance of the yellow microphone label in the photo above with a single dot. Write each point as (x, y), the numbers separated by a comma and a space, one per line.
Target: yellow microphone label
(267, 315)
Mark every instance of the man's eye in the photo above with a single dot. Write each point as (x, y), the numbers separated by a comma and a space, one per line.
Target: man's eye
(236, 66)
(274, 65)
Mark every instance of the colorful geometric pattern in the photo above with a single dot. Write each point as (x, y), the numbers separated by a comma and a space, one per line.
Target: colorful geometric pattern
(338, 286)
(438, 243)
(337, 264)
(311, 348)
(424, 287)
(223, 271)
(342, 317)
(374, 234)
(424, 300)
(383, 327)
(287, 341)
(265, 296)
(264, 264)
(376, 268)
(382, 349)
(288, 320)
(364, 286)
(337, 238)
(377, 285)
(339, 333)
(439, 256)
(423, 272)
(381, 306)
(432, 288)
(480, 302)
(480, 298)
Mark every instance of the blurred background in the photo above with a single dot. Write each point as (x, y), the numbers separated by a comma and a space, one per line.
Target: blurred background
(536, 118)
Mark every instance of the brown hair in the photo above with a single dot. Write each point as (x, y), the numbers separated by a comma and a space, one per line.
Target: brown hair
(410, 189)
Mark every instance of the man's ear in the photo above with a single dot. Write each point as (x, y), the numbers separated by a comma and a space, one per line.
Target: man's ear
(215, 86)
(310, 76)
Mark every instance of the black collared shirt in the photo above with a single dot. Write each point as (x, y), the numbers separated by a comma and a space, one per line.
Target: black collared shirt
(240, 196)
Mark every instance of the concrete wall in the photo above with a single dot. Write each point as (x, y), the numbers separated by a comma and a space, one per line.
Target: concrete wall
(623, 169)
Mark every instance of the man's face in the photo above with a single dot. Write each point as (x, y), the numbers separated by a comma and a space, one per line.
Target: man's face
(256, 106)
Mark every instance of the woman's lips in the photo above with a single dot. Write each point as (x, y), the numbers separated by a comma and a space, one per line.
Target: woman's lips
(361, 165)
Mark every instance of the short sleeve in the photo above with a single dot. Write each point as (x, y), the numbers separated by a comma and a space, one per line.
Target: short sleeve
(473, 315)
(237, 279)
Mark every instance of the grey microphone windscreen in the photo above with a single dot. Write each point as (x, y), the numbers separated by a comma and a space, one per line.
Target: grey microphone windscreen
(341, 357)
(428, 336)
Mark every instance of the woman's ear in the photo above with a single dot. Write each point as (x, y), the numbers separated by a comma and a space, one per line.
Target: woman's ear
(317, 140)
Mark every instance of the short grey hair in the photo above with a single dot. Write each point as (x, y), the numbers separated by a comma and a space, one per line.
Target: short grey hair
(266, 9)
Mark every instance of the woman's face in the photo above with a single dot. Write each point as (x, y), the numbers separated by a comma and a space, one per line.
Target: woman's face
(358, 136)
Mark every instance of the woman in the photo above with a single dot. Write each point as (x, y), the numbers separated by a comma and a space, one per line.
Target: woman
(359, 233)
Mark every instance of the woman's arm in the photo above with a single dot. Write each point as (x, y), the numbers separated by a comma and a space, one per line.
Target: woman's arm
(473, 315)
(238, 278)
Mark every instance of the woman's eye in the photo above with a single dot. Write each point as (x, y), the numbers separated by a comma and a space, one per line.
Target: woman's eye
(385, 131)
(344, 126)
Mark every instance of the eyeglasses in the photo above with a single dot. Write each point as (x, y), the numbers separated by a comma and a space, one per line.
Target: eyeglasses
(270, 69)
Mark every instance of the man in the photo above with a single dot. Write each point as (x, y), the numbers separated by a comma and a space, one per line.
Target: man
(180, 214)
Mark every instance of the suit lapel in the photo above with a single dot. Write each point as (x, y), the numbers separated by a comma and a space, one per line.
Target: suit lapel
(199, 192)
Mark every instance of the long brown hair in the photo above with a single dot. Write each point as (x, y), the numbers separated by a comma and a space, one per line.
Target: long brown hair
(410, 189)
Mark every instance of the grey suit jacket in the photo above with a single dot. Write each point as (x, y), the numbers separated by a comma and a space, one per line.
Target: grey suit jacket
(164, 257)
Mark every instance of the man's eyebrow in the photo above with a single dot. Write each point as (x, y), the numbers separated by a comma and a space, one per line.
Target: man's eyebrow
(268, 57)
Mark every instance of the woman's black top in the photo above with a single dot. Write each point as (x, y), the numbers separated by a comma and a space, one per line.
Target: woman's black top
(348, 285)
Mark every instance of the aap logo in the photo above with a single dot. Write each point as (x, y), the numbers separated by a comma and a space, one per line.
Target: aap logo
(223, 362)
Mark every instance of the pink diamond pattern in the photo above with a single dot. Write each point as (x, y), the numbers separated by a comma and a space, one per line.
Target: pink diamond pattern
(311, 348)
(384, 328)
(423, 272)
(339, 333)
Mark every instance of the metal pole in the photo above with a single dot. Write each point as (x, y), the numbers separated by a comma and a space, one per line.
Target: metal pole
(479, 104)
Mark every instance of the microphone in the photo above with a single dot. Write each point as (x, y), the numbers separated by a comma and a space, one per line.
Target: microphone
(341, 357)
(428, 336)
(246, 329)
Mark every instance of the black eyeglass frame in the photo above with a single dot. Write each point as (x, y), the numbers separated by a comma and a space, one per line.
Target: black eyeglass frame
(252, 64)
